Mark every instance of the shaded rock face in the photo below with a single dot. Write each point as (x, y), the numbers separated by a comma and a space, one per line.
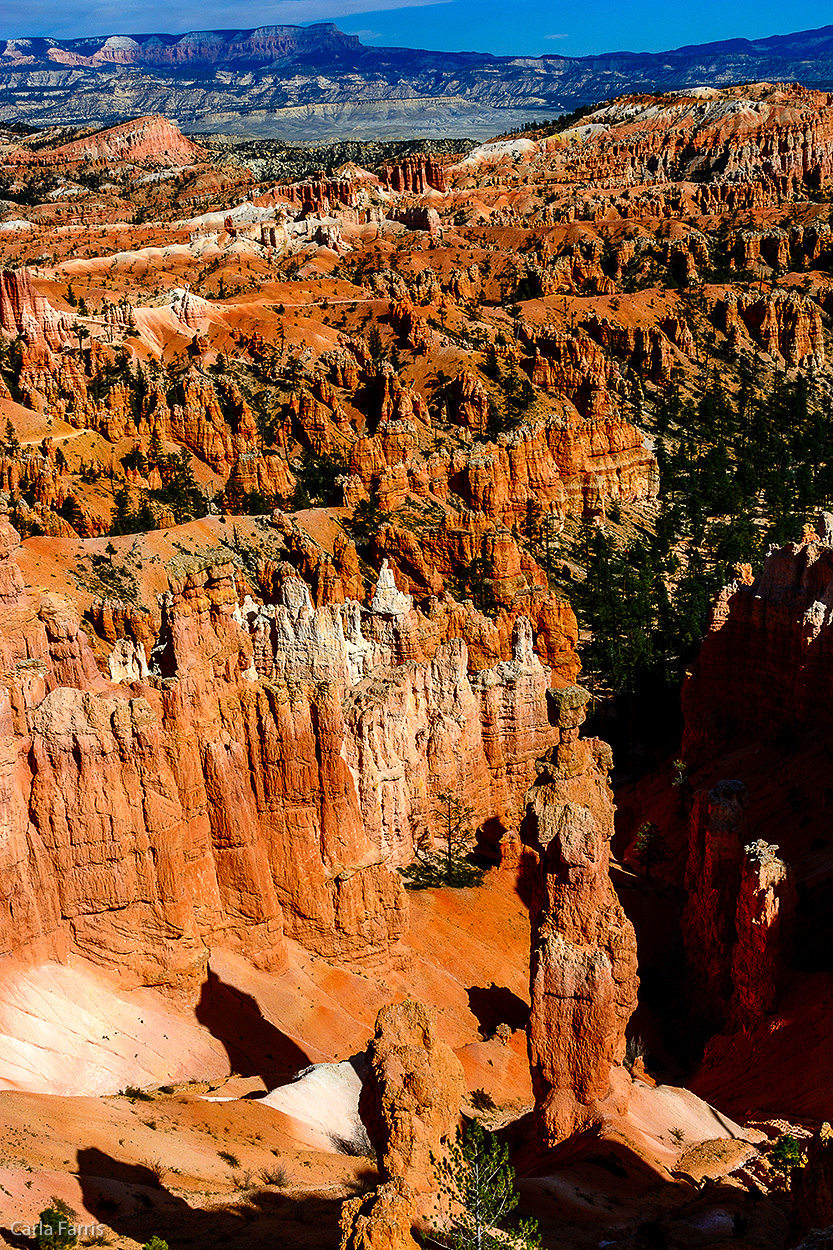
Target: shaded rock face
(813, 1191)
(381, 1220)
(712, 879)
(737, 919)
(583, 971)
(781, 323)
(765, 663)
(763, 920)
(411, 1097)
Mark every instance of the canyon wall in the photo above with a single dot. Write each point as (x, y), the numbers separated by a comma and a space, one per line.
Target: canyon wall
(738, 914)
(765, 664)
(264, 776)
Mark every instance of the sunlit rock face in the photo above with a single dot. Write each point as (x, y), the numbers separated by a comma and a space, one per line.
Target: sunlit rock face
(584, 966)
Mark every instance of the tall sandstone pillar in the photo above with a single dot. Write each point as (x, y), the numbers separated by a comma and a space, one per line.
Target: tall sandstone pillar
(583, 969)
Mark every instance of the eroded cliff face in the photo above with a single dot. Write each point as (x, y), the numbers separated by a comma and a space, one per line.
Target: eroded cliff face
(23, 311)
(262, 771)
(764, 665)
(738, 916)
(583, 972)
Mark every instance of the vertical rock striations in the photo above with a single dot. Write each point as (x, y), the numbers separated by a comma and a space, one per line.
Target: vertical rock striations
(263, 774)
(583, 967)
(737, 918)
(763, 920)
(764, 666)
(712, 880)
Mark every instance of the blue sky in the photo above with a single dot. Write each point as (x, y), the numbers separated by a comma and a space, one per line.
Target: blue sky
(528, 27)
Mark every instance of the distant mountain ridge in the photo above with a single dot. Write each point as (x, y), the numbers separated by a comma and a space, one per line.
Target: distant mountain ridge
(258, 45)
(316, 82)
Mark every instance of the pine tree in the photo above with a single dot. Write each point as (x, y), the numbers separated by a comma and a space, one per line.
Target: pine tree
(650, 847)
(450, 866)
(477, 1197)
(57, 1226)
(12, 441)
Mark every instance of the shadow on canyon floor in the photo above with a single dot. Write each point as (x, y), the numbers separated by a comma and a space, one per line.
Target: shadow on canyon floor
(492, 1005)
(131, 1200)
(254, 1046)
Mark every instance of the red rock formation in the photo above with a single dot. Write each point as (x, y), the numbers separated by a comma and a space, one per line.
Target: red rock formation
(212, 789)
(754, 141)
(470, 403)
(415, 173)
(11, 580)
(151, 139)
(381, 1220)
(412, 328)
(583, 969)
(270, 476)
(765, 662)
(646, 348)
(410, 1101)
(111, 619)
(738, 915)
(763, 921)
(712, 879)
(292, 798)
(571, 463)
(23, 311)
(780, 323)
(417, 217)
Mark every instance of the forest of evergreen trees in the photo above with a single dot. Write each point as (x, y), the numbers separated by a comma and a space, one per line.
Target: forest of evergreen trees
(739, 472)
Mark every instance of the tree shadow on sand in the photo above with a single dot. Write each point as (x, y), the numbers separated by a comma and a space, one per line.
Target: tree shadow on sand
(131, 1200)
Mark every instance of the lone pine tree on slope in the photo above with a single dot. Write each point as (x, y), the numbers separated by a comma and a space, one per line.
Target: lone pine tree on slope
(477, 1196)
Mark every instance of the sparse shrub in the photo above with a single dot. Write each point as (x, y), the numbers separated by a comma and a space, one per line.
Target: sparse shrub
(135, 1094)
(678, 1136)
(155, 1243)
(56, 1227)
(157, 1169)
(358, 1146)
(242, 1180)
(229, 1158)
(275, 1176)
(650, 847)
